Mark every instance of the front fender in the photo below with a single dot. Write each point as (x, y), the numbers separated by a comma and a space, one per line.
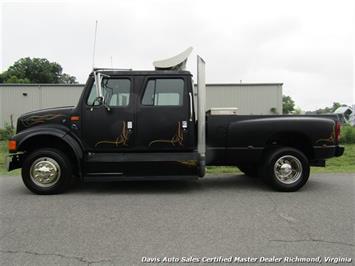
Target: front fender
(57, 131)
(45, 130)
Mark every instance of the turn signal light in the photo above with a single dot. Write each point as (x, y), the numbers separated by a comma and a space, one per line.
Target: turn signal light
(11, 145)
(75, 118)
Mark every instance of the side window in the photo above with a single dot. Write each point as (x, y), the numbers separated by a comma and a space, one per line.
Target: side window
(164, 92)
(116, 92)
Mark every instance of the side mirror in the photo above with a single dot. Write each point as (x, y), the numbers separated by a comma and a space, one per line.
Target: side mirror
(100, 101)
(97, 102)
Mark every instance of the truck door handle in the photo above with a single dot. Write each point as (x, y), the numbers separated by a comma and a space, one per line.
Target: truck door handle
(129, 125)
(190, 96)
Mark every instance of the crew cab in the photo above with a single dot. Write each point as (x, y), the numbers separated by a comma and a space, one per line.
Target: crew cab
(140, 125)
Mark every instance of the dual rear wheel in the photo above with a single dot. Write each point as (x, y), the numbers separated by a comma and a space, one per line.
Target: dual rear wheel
(285, 169)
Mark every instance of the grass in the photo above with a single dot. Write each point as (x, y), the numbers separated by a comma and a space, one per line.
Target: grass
(222, 169)
(343, 164)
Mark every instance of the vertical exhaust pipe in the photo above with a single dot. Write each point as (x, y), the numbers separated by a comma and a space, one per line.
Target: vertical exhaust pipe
(201, 115)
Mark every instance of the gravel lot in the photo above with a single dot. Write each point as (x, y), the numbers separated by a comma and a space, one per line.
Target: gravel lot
(119, 223)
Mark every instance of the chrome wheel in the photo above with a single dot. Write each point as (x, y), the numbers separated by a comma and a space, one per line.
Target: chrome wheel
(45, 172)
(288, 169)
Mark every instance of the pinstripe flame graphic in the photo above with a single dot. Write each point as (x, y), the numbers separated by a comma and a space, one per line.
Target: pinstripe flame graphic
(40, 119)
(122, 139)
(178, 138)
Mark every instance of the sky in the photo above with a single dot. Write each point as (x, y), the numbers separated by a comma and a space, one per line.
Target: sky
(308, 45)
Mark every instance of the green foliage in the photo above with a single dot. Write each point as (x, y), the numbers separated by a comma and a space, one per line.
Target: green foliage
(36, 70)
(273, 110)
(7, 132)
(347, 135)
(297, 111)
(14, 79)
(67, 79)
(288, 105)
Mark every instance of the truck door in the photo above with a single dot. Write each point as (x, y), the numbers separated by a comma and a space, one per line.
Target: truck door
(109, 128)
(165, 118)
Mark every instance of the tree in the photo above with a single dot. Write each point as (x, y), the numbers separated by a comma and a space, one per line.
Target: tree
(67, 79)
(288, 105)
(14, 79)
(36, 70)
(298, 111)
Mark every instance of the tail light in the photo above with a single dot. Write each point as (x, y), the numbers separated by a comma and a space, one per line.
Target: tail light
(337, 131)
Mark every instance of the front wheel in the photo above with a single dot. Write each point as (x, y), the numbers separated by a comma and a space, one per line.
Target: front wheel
(286, 169)
(46, 171)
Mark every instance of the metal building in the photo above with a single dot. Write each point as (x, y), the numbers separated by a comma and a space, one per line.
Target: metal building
(16, 99)
(249, 98)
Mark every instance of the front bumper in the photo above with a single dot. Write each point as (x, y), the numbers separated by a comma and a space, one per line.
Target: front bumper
(13, 161)
(325, 152)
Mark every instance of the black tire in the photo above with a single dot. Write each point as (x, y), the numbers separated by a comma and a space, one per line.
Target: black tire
(285, 158)
(250, 170)
(49, 157)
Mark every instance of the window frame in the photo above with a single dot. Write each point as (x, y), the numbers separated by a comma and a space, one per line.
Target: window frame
(112, 77)
(145, 84)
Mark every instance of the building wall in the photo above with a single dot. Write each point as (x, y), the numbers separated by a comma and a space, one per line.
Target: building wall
(248, 98)
(16, 99)
(256, 98)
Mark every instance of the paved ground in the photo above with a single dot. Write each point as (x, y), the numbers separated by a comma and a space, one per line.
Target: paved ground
(118, 224)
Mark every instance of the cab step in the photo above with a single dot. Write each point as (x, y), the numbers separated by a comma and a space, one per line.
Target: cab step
(141, 157)
(112, 177)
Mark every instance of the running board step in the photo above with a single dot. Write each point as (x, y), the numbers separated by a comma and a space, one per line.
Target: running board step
(141, 157)
(113, 178)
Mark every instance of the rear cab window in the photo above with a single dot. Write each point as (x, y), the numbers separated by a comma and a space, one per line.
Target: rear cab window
(163, 92)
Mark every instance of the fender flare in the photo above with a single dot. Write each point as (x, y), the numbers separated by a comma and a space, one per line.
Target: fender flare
(62, 134)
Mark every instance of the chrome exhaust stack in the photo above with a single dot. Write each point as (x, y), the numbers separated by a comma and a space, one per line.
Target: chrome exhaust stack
(201, 115)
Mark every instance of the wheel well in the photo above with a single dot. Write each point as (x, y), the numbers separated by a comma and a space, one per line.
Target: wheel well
(295, 140)
(48, 141)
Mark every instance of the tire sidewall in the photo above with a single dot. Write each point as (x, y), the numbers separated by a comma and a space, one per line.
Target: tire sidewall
(64, 178)
(269, 174)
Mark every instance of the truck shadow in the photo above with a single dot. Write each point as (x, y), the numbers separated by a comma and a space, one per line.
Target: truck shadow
(237, 183)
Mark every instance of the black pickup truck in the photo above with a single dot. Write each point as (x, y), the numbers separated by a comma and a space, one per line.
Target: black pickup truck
(131, 125)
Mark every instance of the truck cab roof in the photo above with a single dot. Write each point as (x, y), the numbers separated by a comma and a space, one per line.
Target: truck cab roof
(113, 72)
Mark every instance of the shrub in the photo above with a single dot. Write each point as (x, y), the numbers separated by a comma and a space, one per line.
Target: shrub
(7, 132)
(347, 135)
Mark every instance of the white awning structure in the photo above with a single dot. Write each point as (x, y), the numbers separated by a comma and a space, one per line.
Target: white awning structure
(177, 62)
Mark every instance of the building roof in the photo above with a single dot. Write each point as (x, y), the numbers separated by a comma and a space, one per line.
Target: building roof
(39, 84)
(81, 85)
(246, 84)
(143, 72)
